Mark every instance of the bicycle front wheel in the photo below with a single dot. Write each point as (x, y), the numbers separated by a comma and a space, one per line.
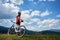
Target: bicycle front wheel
(22, 31)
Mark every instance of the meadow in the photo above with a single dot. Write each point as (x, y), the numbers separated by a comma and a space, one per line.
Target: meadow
(29, 37)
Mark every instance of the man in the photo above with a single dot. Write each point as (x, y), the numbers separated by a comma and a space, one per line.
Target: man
(18, 20)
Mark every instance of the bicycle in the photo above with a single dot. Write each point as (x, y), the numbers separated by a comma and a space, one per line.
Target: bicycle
(14, 29)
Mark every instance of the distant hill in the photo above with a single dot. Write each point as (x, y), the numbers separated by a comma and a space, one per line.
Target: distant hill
(5, 30)
(49, 32)
(55, 30)
(30, 32)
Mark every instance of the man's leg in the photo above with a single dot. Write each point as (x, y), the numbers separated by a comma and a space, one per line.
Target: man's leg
(18, 28)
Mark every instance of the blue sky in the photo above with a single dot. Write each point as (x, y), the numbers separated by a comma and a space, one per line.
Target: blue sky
(38, 15)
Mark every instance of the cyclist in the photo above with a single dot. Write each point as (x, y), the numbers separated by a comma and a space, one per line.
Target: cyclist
(18, 20)
(17, 28)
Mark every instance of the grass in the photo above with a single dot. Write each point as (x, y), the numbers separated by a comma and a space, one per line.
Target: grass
(30, 37)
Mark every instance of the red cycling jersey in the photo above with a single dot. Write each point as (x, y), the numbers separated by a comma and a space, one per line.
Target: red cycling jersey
(17, 19)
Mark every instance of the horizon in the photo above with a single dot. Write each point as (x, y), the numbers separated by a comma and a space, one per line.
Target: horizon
(38, 15)
(32, 31)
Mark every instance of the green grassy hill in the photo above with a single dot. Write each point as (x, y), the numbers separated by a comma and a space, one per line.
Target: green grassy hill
(30, 37)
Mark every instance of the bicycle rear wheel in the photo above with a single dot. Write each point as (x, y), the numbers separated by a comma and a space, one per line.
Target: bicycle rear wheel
(11, 30)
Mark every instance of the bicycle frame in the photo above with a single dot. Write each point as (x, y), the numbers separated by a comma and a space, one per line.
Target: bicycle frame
(22, 26)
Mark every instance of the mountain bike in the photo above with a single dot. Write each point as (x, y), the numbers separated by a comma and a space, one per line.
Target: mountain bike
(14, 29)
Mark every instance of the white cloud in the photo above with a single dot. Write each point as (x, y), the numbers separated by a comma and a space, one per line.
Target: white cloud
(6, 22)
(8, 10)
(35, 13)
(45, 13)
(46, 24)
(36, 24)
(28, 14)
(31, 28)
(25, 14)
(49, 21)
(3, 21)
(58, 16)
(31, 0)
(35, 19)
(18, 2)
(11, 7)
(39, 13)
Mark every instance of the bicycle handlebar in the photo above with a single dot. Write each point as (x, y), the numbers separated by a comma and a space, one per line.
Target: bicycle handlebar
(15, 22)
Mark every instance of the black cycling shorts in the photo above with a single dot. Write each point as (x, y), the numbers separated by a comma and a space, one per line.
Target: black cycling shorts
(18, 23)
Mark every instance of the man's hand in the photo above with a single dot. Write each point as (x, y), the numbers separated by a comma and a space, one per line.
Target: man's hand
(21, 20)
